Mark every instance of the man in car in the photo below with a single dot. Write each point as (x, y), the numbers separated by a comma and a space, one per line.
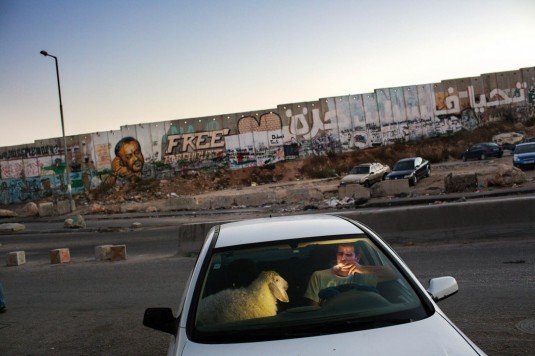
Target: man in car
(347, 271)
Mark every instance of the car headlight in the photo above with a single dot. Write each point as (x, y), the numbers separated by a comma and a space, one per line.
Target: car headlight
(515, 158)
(409, 175)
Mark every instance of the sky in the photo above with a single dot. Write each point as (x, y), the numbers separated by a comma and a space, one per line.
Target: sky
(125, 62)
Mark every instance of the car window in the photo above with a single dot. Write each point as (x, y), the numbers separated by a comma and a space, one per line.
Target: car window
(525, 148)
(404, 165)
(360, 170)
(236, 298)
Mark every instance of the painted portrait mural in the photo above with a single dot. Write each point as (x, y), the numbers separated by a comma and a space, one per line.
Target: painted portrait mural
(128, 162)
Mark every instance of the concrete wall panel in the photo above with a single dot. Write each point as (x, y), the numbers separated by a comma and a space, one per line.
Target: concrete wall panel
(259, 137)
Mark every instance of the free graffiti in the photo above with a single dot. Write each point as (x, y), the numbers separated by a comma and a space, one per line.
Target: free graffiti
(196, 141)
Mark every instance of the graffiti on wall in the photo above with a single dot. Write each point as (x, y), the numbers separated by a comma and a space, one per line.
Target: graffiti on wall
(195, 146)
(290, 131)
(128, 162)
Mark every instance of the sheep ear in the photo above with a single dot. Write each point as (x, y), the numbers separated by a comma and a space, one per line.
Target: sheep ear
(278, 292)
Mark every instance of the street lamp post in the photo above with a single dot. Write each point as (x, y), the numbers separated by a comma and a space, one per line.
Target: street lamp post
(71, 202)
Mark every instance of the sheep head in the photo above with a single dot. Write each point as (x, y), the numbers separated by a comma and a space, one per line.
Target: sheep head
(277, 285)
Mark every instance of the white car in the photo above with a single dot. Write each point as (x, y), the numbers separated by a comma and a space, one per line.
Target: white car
(246, 295)
(366, 174)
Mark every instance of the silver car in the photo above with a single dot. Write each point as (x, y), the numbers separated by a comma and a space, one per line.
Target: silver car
(366, 174)
(255, 289)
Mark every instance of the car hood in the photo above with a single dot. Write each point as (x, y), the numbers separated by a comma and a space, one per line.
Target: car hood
(354, 178)
(432, 336)
(525, 155)
(398, 174)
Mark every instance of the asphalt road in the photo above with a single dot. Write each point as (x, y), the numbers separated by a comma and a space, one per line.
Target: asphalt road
(88, 307)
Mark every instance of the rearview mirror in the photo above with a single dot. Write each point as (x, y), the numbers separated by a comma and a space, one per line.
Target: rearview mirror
(442, 287)
(161, 319)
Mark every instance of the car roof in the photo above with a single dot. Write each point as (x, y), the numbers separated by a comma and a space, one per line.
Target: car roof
(283, 228)
(408, 159)
(525, 144)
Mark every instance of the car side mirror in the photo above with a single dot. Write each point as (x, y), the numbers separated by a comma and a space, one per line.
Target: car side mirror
(442, 287)
(161, 319)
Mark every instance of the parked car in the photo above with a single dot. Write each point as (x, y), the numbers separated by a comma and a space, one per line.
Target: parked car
(412, 169)
(524, 155)
(482, 151)
(528, 139)
(366, 174)
(246, 295)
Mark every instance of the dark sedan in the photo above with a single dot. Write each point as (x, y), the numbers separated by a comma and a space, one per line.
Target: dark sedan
(412, 169)
(524, 155)
(482, 151)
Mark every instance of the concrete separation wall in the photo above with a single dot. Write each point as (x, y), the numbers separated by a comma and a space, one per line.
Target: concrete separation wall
(506, 217)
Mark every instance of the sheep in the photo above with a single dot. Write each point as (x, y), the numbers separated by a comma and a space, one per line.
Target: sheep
(257, 300)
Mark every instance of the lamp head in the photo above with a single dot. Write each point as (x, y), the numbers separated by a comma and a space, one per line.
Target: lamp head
(44, 53)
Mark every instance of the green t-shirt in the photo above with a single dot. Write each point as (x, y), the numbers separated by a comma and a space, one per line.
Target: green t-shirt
(326, 278)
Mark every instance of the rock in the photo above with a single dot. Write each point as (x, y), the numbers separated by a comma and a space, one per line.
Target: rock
(96, 208)
(136, 225)
(507, 176)
(75, 222)
(4, 213)
(30, 209)
(151, 209)
(460, 183)
(12, 227)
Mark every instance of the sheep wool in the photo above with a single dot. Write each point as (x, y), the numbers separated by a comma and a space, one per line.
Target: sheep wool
(257, 300)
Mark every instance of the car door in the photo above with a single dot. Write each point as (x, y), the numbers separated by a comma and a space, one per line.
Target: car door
(419, 169)
(474, 151)
(375, 169)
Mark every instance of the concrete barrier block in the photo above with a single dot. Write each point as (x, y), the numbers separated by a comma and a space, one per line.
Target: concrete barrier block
(64, 207)
(46, 209)
(191, 236)
(16, 258)
(185, 202)
(103, 252)
(355, 191)
(390, 188)
(118, 252)
(60, 255)
(252, 199)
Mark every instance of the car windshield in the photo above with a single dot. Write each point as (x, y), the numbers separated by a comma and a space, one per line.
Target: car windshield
(404, 165)
(236, 297)
(360, 170)
(525, 148)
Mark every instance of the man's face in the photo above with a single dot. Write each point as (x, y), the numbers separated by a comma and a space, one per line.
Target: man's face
(345, 254)
(131, 155)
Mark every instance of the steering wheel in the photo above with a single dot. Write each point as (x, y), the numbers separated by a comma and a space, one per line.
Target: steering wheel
(351, 297)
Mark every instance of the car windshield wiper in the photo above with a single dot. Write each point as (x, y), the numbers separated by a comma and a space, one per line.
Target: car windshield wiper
(389, 321)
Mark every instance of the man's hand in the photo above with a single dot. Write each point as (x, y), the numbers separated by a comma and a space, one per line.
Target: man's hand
(348, 268)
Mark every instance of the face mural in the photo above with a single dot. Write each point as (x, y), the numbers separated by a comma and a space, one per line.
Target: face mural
(128, 161)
